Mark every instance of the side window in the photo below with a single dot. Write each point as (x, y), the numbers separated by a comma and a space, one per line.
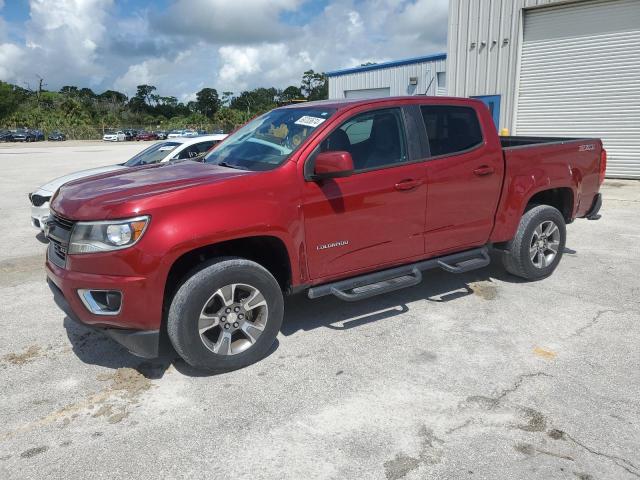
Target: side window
(195, 150)
(451, 129)
(374, 139)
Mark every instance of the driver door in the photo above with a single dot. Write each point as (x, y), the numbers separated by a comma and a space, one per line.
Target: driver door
(374, 217)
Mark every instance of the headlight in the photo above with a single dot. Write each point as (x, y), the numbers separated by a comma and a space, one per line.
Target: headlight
(91, 237)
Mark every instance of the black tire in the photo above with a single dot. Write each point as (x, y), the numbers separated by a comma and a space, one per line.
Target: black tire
(517, 257)
(198, 289)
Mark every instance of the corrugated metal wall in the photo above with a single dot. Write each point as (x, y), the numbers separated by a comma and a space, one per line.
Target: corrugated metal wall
(483, 44)
(396, 78)
(580, 77)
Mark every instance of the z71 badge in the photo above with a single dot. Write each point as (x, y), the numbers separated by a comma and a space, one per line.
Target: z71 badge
(586, 148)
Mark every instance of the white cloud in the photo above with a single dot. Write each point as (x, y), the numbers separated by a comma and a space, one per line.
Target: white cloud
(229, 45)
(180, 76)
(275, 64)
(61, 42)
(10, 58)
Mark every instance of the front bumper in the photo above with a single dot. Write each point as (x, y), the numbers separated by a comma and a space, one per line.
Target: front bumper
(136, 327)
(143, 343)
(39, 215)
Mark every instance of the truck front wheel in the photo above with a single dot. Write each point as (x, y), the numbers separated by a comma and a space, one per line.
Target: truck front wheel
(537, 247)
(226, 315)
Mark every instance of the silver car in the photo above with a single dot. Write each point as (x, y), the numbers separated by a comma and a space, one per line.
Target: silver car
(159, 152)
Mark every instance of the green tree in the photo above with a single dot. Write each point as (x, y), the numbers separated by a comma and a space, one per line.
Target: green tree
(290, 93)
(315, 86)
(207, 102)
(113, 97)
(229, 119)
(9, 99)
(69, 90)
(255, 101)
(226, 98)
(142, 99)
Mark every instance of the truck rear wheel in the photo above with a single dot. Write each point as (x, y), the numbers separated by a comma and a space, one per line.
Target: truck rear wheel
(226, 316)
(537, 247)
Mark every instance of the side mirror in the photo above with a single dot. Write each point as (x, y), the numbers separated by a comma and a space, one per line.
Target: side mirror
(332, 165)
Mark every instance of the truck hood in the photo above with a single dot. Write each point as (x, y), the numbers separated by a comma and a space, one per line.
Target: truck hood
(119, 193)
(55, 184)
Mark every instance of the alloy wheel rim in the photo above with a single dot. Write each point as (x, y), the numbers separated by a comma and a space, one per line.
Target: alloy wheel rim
(232, 319)
(544, 245)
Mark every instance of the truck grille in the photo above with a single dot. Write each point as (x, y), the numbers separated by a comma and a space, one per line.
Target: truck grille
(38, 200)
(59, 235)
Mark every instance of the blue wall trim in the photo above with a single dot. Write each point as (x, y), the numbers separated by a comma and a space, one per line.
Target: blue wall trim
(396, 63)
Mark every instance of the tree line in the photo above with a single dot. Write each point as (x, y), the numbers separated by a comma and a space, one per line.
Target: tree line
(83, 114)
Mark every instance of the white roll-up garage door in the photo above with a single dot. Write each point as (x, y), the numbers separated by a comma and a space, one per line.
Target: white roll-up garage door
(368, 93)
(580, 77)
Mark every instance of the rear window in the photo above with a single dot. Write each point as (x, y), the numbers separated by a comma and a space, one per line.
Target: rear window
(451, 129)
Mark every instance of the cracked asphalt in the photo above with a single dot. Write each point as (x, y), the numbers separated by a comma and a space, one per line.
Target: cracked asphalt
(475, 376)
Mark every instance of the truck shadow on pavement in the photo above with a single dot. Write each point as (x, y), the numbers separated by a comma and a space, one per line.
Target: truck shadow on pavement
(438, 286)
(304, 314)
(95, 348)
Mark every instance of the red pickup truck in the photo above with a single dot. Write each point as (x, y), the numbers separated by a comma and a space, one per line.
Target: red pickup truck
(344, 198)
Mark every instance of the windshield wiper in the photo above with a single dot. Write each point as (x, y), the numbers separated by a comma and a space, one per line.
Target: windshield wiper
(228, 165)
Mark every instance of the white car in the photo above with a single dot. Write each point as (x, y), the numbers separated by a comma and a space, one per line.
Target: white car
(158, 152)
(114, 137)
(175, 134)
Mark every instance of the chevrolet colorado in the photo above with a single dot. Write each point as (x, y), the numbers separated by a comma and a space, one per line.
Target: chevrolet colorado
(345, 198)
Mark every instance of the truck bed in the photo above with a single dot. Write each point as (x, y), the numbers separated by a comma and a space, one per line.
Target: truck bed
(535, 164)
(513, 142)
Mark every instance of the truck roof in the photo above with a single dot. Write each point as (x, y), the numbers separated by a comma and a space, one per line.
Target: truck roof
(343, 103)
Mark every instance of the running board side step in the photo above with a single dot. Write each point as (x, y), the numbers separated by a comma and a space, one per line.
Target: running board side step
(385, 281)
(466, 265)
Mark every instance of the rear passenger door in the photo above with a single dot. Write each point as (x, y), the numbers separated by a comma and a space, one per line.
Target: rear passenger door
(464, 178)
(375, 217)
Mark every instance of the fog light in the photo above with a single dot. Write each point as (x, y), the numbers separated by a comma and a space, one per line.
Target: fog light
(101, 302)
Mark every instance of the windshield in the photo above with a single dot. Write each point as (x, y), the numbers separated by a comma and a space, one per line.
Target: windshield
(153, 154)
(267, 141)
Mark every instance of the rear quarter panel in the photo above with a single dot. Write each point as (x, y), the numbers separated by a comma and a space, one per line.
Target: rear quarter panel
(534, 168)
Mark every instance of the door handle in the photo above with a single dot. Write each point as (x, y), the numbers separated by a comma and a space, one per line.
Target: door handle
(408, 184)
(483, 170)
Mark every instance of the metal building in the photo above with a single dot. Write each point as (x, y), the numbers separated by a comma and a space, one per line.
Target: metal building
(553, 68)
(412, 76)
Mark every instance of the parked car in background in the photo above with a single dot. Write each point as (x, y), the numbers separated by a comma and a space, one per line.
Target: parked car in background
(159, 152)
(57, 136)
(190, 133)
(6, 136)
(162, 135)
(146, 136)
(118, 136)
(24, 136)
(39, 135)
(347, 198)
(175, 134)
(130, 135)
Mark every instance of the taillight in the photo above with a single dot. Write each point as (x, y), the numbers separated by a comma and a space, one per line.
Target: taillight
(603, 165)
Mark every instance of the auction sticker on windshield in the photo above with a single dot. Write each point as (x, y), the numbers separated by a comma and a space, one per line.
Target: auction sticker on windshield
(309, 121)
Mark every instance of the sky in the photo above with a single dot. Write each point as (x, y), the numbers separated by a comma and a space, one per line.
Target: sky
(182, 46)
